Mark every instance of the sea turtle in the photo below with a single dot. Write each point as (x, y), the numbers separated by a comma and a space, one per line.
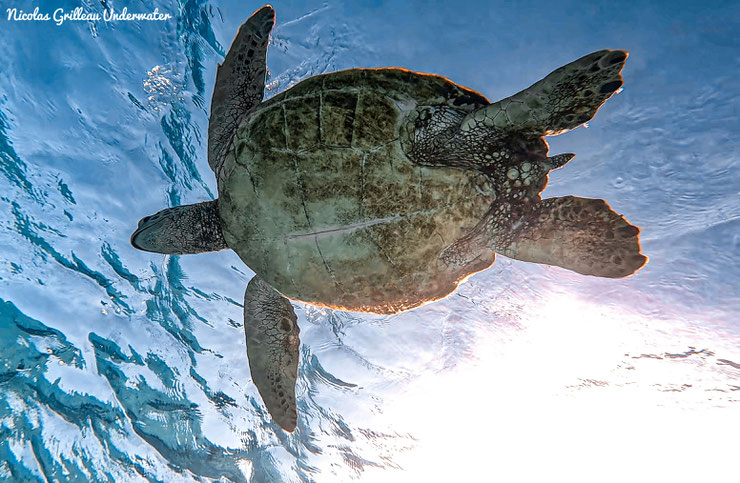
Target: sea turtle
(378, 190)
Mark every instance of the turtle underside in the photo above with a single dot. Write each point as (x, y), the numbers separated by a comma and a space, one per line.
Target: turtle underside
(377, 190)
(317, 196)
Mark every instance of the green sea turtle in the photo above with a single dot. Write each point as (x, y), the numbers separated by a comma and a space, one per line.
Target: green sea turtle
(378, 190)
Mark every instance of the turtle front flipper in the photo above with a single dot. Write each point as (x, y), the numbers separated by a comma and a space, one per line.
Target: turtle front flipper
(181, 230)
(509, 132)
(272, 349)
(565, 99)
(240, 81)
(580, 234)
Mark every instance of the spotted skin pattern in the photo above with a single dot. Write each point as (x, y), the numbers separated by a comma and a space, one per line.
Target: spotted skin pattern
(510, 131)
(272, 332)
(580, 234)
(240, 82)
(565, 99)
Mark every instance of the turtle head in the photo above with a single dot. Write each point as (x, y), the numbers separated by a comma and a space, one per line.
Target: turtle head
(181, 230)
(154, 232)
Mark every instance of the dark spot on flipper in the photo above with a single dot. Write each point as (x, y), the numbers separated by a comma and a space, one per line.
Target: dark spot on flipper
(285, 325)
(617, 259)
(594, 68)
(570, 117)
(610, 235)
(619, 57)
(614, 58)
(250, 52)
(628, 231)
(465, 99)
(610, 87)
(281, 394)
(588, 93)
(597, 56)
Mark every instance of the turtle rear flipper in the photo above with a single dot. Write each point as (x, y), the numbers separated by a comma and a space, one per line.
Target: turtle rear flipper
(580, 234)
(272, 349)
(565, 99)
(240, 81)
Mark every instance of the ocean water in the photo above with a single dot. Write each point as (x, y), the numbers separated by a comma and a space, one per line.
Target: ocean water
(120, 365)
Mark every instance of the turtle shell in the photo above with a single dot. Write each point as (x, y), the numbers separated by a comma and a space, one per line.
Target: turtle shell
(317, 196)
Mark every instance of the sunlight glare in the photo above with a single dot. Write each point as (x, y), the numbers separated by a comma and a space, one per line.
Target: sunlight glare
(560, 395)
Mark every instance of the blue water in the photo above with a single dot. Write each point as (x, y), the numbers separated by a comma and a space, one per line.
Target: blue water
(120, 365)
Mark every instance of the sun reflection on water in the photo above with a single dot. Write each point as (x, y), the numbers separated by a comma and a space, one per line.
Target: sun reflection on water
(577, 390)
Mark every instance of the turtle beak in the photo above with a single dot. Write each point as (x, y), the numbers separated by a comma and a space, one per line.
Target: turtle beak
(146, 235)
(181, 230)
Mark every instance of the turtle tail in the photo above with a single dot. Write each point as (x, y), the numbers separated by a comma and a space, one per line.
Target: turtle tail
(565, 99)
(580, 234)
